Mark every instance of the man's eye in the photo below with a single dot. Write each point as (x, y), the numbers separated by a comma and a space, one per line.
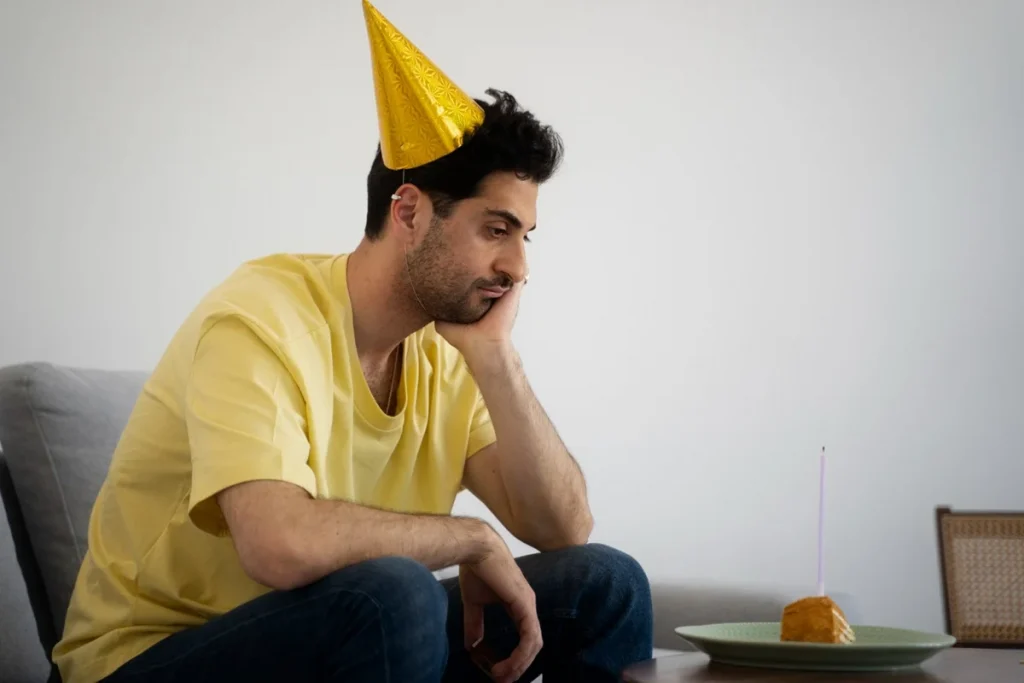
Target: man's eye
(497, 232)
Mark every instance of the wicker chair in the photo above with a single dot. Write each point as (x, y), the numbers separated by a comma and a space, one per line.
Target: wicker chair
(981, 556)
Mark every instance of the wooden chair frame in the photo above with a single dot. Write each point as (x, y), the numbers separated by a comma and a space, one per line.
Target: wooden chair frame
(943, 515)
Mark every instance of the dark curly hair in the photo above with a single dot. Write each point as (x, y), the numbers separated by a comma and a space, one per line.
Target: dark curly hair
(509, 139)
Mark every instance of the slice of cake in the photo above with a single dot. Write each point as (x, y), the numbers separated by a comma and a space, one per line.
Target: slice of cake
(815, 619)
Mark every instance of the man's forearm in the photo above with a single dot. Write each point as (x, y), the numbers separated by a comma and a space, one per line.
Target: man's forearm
(339, 533)
(544, 485)
(287, 541)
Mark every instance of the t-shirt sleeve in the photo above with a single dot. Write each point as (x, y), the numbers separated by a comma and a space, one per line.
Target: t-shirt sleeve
(481, 429)
(245, 417)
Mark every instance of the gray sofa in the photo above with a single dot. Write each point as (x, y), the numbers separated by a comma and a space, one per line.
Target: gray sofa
(58, 428)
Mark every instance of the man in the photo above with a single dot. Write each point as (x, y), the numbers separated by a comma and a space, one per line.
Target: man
(283, 490)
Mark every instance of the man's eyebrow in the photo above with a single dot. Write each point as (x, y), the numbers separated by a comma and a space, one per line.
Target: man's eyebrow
(509, 217)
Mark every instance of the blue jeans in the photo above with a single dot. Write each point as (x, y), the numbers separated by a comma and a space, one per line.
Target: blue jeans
(391, 621)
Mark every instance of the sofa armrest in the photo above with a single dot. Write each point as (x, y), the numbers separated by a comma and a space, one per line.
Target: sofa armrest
(23, 658)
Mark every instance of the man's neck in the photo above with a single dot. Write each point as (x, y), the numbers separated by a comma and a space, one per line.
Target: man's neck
(383, 312)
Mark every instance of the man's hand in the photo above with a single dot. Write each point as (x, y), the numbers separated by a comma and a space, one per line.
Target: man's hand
(493, 330)
(496, 578)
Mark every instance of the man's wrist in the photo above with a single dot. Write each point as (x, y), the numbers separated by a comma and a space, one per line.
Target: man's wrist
(479, 539)
(490, 358)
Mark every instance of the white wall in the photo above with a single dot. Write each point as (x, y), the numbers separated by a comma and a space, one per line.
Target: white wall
(781, 225)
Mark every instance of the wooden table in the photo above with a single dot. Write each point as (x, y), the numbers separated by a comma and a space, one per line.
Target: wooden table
(955, 665)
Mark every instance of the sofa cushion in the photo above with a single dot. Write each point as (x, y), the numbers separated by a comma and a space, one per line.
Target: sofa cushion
(58, 428)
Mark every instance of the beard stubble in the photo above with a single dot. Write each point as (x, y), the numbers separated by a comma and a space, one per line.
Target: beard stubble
(446, 291)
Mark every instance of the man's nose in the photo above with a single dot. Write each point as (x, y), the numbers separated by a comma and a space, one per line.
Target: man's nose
(513, 262)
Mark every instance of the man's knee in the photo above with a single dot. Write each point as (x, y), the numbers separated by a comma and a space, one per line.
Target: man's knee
(397, 584)
(611, 564)
(410, 606)
(616, 594)
(612, 573)
(405, 592)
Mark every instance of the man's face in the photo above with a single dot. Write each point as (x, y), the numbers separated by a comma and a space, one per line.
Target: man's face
(466, 261)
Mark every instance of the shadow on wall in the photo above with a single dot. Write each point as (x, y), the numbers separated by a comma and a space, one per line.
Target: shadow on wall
(696, 604)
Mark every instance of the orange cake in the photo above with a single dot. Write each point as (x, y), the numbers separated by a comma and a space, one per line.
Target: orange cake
(815, 620)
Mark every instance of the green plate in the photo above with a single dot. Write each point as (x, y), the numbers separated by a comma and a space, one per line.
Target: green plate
(757, 644)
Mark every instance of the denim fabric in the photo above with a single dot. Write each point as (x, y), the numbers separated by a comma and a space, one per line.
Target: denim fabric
(594, 605)
(390, 621)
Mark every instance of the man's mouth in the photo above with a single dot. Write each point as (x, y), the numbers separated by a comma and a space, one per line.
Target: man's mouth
(493, 292)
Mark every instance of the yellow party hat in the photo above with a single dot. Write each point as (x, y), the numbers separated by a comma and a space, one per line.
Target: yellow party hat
(422, 114)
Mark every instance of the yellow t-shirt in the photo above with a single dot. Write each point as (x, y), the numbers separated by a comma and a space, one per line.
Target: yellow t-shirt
(262, 381)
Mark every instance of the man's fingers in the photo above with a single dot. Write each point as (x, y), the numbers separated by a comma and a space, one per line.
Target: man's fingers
(520, 660)
(524, 613)
(472, 624)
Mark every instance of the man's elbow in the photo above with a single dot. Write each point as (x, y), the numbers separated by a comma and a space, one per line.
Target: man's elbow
(280, 577)
(579, 533)
(263, 521)
(275, 564)
(553, 537)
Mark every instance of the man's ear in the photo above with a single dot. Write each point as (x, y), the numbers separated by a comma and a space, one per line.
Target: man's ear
(404, 206)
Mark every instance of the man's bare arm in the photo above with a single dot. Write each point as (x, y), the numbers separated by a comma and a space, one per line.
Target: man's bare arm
(285, 539)
(527, 478)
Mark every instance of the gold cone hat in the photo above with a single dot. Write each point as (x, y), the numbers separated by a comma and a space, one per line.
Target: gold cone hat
(422, 114)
